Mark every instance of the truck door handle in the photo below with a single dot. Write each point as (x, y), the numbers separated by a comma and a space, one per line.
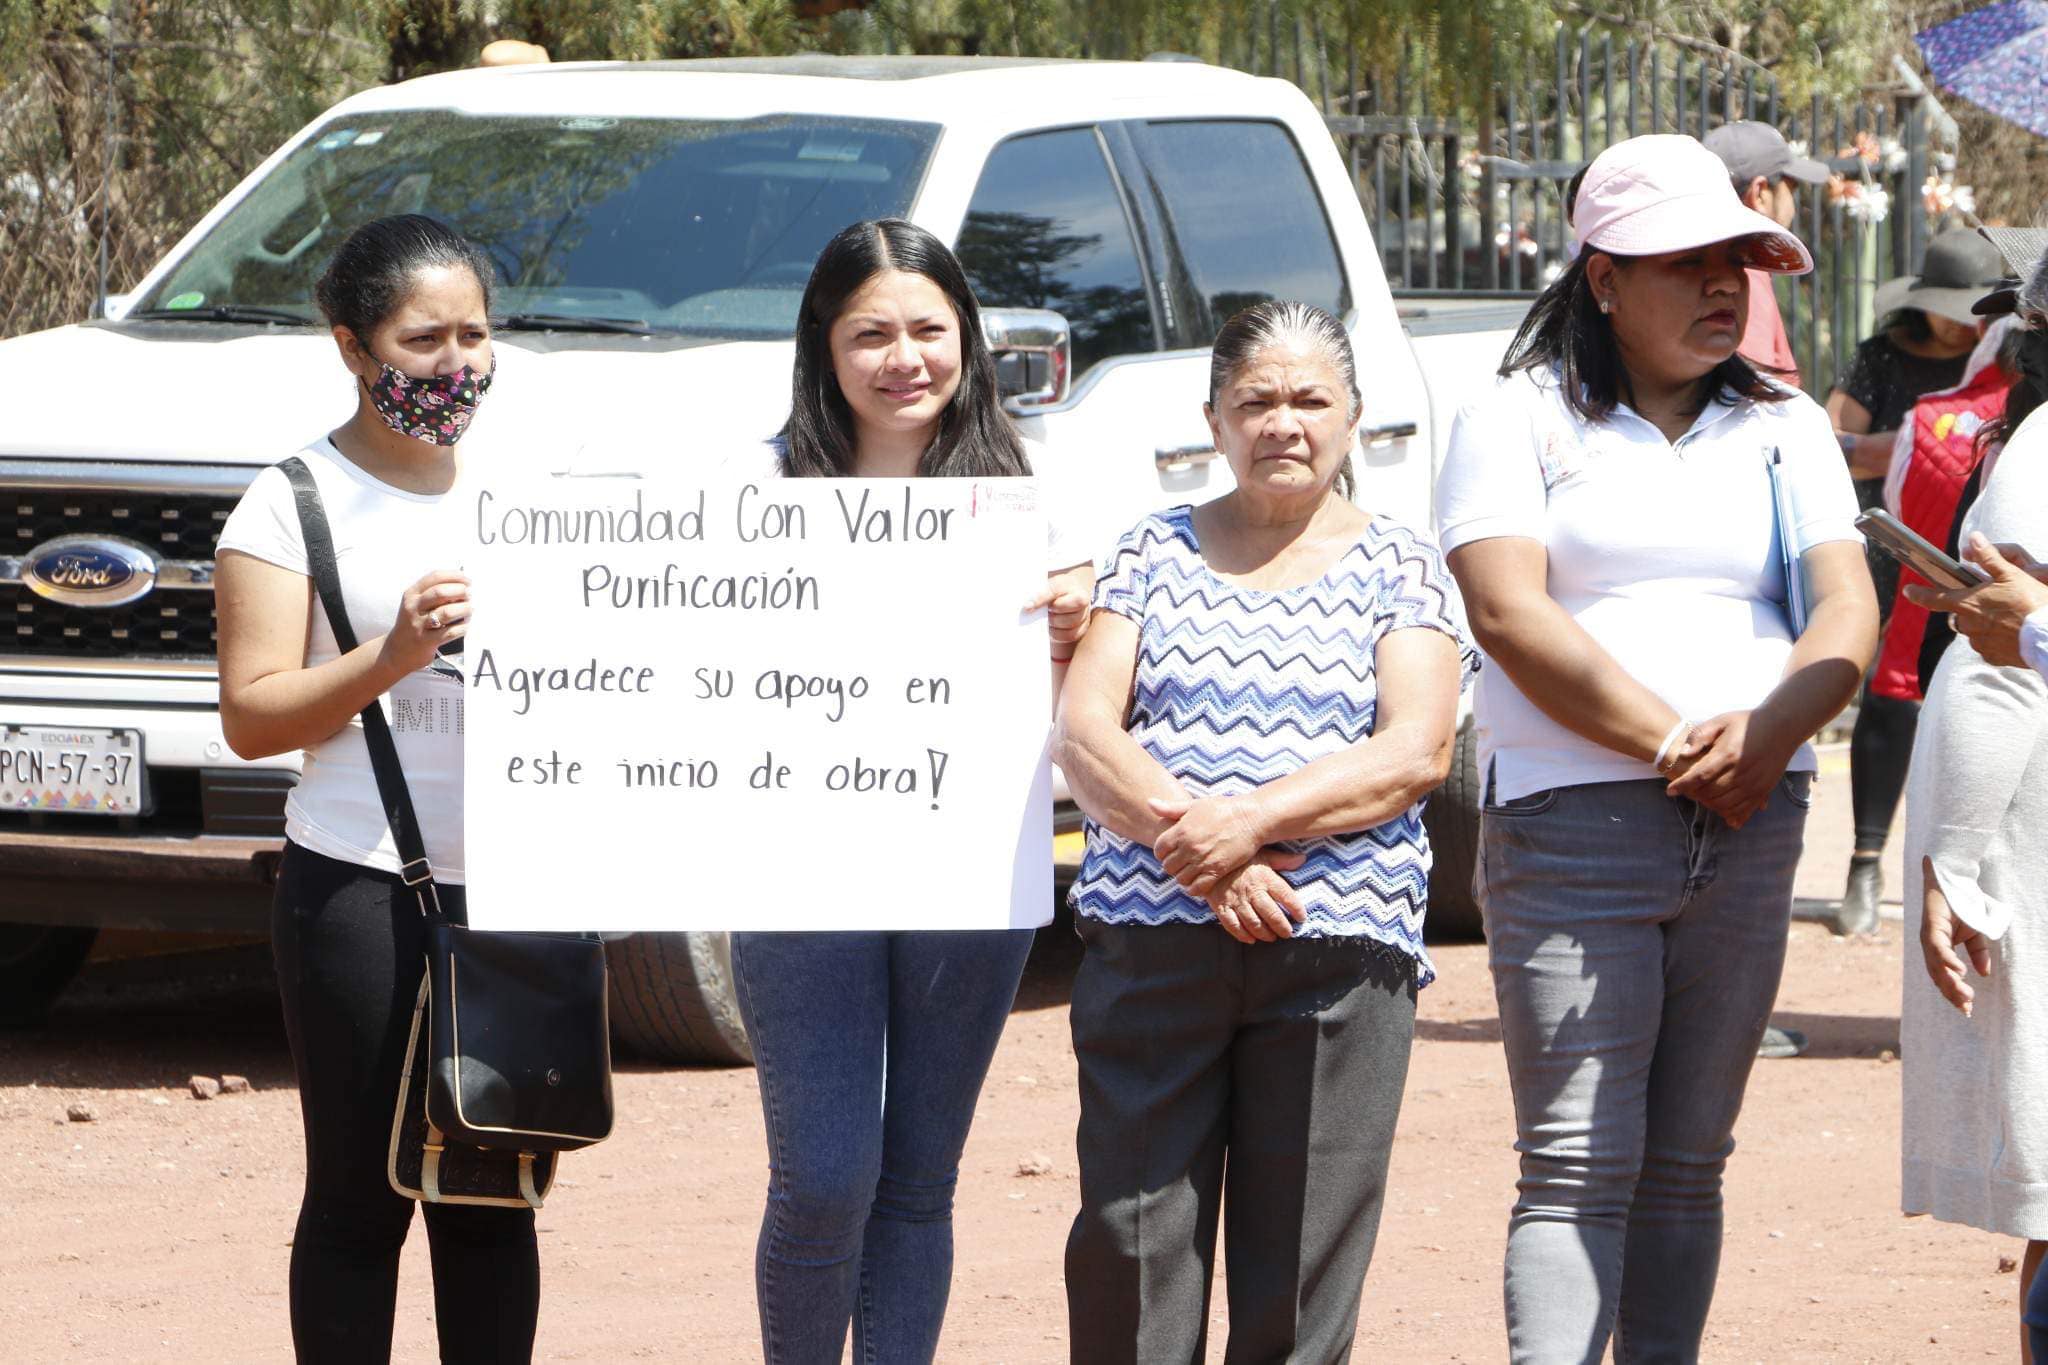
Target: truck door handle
(1387, 432)
(1174, 459)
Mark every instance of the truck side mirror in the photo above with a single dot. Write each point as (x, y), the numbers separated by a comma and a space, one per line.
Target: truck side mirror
(1034, 354)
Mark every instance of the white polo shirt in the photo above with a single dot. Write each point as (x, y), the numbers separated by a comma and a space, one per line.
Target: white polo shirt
(1666, 553)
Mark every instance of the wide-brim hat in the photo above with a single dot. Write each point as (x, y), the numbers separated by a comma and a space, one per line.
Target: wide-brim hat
(1665, 192)
(1957, 269)
(2022, 249)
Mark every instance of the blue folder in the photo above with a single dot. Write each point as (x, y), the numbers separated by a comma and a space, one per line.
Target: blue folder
(1786, 526)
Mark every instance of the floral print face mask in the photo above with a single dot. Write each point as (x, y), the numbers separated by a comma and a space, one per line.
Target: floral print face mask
(436, 410)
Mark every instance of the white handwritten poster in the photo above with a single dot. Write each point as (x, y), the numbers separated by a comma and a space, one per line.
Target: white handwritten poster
(779, 704)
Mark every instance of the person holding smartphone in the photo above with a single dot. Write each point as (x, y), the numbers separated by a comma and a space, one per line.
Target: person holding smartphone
(1974, 1025)
(1608, 512)
(2005, 617)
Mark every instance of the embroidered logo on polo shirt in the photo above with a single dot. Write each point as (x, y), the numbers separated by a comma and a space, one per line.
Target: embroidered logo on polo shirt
(1562, 459)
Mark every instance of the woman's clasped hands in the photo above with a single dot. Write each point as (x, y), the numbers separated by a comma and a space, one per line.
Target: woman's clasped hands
(1730, 763)
(1214, 848)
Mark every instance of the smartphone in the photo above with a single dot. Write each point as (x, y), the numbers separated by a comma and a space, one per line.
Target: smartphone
(1916, 552)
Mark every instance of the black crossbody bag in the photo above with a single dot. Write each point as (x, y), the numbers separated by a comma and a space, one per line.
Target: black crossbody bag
(509, 1059)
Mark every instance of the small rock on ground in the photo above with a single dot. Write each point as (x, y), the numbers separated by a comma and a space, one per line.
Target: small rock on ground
(204, 1087)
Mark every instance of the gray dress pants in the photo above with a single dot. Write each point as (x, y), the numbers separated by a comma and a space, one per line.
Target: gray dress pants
(1272, 1072)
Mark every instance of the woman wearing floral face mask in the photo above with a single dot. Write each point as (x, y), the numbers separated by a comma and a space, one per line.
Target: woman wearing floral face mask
(409, 301)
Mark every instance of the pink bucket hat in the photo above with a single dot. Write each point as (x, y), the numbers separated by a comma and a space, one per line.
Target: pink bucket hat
(1665, 192)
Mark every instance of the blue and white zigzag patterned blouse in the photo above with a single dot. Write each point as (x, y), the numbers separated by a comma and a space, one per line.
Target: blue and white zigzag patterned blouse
(1238, 686)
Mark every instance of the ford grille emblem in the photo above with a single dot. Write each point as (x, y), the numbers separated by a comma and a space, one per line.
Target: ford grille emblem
(89, 571)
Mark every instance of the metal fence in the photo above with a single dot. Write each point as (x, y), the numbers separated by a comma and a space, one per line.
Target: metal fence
(1475, 205)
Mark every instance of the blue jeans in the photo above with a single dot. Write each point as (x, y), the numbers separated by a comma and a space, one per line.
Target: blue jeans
(871, 1049)
(2035, 1316)
(1636, 943)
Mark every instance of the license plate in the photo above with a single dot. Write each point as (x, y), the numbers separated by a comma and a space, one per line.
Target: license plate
(71, 772)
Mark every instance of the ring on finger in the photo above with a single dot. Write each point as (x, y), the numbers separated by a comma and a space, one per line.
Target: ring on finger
(433, 620)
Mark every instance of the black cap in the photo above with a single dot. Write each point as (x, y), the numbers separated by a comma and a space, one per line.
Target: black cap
(1750, 149)
(2021, 249)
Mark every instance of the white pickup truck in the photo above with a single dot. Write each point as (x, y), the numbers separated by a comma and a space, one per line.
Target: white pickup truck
(654, 225)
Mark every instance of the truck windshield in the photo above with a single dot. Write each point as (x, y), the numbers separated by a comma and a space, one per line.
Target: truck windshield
(702, 227)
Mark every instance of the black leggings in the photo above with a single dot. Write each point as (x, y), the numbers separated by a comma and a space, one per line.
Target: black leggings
(1880, 747)
(349, 949)
(1881, 744)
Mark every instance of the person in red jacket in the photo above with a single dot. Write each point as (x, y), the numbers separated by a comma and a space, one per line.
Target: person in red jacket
(1940, 444)
(1922, 345)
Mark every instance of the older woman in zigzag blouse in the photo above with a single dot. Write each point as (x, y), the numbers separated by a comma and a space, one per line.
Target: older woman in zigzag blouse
(1267, 690)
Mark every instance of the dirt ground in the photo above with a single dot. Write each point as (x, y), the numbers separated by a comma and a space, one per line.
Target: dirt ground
(161, 1229)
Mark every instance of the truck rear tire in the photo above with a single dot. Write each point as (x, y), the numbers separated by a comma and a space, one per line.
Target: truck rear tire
(672, 1000)
(36, 962)
(1452, 819)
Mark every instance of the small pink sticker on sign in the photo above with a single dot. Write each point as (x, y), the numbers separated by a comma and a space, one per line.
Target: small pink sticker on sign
(1002, 496)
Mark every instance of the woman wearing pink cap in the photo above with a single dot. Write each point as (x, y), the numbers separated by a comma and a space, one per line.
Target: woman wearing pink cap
(1612, 514)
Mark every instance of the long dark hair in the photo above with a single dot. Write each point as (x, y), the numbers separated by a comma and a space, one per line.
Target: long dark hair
(975, 439)
(371, 272)
(1566, 329)
(1911, 321)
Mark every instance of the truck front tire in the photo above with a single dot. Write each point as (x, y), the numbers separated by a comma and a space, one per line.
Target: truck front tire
(672, 1000)
(36, 962)
(1452, 819)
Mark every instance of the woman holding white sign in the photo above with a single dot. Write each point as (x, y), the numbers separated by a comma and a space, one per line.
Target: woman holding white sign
(409, 303)
(1267, 692)
(871, 1047)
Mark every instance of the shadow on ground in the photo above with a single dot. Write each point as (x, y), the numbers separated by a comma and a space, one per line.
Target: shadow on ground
(149, 1022)
(1829, 1037)
(1482, 1030)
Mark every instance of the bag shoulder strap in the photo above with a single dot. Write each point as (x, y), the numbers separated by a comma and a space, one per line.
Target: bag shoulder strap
(392, 791)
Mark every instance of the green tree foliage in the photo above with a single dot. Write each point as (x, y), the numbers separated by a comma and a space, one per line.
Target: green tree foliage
(199, 91)
(609, 30)
(124, 122)
(424, 36)
(1828, 46)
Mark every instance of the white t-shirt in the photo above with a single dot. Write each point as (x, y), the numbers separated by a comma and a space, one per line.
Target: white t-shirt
(1666, 553)
(1066, 544)
(385, 539)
